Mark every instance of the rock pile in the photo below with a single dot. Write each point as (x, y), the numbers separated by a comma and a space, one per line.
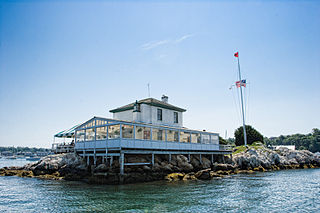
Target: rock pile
(279, 159)
(73, 167)
(59, 166)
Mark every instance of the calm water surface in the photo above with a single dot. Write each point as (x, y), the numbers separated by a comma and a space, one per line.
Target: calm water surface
(281, 191)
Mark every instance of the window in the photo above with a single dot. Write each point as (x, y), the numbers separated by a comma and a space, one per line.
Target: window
(90, 134)
(195, 138)
(205, 138)
(143, 132)
(114, 131)
(158, 134)
(159, 114)
(172, 136)
(214, 139)
(101, 133)
(175, 117)
(185, 137)
(80, 135)
(127, 131)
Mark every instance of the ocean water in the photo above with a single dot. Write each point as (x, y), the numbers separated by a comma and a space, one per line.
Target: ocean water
(279, 191)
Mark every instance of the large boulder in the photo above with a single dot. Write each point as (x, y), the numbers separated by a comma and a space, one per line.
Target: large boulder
(203, 174)
(53, 163)
(182, 162)
(101, 168)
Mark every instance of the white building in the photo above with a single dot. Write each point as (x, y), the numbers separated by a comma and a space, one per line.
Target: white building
(151, 111)
(148, 127)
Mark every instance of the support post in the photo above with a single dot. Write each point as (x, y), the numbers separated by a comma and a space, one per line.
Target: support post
(189, 158)
(152, 159)
(111, 161)
(169, 158)
(211, 158)
(200, 158)
(121, 161)
(94, 157)
(88, 160)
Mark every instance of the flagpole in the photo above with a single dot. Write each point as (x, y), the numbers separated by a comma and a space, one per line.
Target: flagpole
(243, 121)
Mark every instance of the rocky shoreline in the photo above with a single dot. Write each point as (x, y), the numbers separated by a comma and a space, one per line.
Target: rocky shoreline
(253, 159)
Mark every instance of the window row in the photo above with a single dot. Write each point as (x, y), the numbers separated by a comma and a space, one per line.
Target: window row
(175, 116)
(143, 133)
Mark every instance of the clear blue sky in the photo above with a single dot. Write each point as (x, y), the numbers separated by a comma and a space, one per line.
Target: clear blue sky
(63, 63)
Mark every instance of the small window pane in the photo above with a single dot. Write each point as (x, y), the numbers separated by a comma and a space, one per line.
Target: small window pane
(214, 139)
(158, 134)
(159, 114)
(172, 136)
(143, 133)
(101, 133)
(80, 135)
(127, 131)
(185, 137)
(175, 117)
(195, 138)
(205, 138)
(114, 131)
(90, 134)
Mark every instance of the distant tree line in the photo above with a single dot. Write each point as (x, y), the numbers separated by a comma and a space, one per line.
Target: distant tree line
(23, 149)
(309, 141)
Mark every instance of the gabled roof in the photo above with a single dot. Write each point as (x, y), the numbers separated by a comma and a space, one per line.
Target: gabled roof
(151, 102)
(68, 133)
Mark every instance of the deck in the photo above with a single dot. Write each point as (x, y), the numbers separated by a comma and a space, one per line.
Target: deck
(104, 139)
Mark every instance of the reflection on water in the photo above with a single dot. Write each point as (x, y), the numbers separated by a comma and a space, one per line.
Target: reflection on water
(285, 191)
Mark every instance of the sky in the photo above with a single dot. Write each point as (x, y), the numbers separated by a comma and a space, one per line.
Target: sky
(61, 63)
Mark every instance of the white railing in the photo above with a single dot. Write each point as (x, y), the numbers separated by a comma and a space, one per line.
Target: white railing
(62, 147)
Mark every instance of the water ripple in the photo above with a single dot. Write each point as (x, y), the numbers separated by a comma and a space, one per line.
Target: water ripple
(284, 191)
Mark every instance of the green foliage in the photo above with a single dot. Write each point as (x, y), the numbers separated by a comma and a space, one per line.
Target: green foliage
(256, 145)
(309, 141)
(222, 141)
(252, 136)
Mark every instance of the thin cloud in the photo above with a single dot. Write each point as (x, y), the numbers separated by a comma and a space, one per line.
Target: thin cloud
(184, 38)
(155, 44)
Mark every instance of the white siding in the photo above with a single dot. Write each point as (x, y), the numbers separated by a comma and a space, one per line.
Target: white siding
(148, 115)
(124, 115)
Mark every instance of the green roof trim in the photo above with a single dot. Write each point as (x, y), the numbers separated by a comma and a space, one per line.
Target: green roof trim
(151, 102)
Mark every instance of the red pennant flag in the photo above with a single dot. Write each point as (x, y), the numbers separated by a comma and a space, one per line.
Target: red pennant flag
(236, 54)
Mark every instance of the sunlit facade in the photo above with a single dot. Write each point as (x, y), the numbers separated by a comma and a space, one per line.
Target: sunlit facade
(146, 127)
(103, 133)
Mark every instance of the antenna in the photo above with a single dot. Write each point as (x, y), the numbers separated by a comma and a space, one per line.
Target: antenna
(149, 90)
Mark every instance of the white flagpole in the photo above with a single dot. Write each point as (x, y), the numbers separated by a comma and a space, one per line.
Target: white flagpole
(243, 121)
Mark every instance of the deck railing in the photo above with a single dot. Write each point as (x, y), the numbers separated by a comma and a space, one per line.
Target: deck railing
(99, 129)
(62, 147)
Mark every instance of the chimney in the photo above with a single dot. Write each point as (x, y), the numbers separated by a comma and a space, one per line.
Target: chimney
(164, 98)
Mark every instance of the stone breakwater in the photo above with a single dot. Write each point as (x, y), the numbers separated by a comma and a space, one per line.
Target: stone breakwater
(73, 167)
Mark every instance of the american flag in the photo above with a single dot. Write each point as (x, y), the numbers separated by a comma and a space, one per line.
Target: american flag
(241, 83)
